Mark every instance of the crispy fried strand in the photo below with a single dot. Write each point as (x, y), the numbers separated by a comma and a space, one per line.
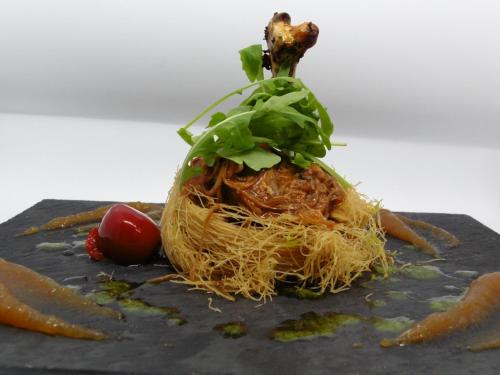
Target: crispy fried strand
(232, 251)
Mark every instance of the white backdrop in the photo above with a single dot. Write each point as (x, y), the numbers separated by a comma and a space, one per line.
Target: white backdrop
(402, 68)
(415, 83)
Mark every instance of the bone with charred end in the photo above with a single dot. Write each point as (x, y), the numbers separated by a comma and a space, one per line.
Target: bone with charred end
(286, 43)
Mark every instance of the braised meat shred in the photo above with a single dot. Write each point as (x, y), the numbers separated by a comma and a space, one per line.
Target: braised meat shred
(311, 194)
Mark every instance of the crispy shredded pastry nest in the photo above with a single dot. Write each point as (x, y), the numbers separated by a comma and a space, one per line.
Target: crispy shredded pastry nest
(228, 250)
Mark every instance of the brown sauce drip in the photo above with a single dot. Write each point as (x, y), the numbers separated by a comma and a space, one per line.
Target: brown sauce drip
(486, 345)
(436, 231)
(481, 300)
(15, 313)
(85, 217)
(393, 225)
(21, 287)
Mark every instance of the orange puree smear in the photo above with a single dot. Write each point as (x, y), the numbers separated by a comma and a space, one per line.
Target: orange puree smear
(86, 217)
(452, 240)
(394, 226)
(19, 284)
(482, 299)
(15, 313)
(486, 345)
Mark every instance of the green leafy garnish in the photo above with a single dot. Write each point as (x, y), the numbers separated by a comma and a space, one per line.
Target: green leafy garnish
(280, 118)
(256, 159)
(251, 61)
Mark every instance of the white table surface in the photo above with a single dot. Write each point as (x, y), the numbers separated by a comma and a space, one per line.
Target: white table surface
(78, 158)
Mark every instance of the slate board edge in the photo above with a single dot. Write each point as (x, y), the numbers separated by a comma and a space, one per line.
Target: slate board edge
(45, 200)
(49, 370)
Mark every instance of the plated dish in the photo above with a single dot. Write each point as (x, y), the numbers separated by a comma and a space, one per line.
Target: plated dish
(254, 210)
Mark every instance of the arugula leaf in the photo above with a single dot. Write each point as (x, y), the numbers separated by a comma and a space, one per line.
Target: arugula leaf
(326, 122)
(300, 160)
(221, 138)
(251, 61)
(280, 112)
(216, 118)
(235, 137)
(256, 95)
(239, 92)
(299, 118)
(256, 159)
(284, 69)
(258, 105)
(275, 126)
(238, 110)
(277, 103)
(268, 86)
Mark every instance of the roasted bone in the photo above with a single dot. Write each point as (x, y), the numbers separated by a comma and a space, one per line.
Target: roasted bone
(286, 43)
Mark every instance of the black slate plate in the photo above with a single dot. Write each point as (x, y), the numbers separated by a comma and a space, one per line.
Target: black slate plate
(149, 344)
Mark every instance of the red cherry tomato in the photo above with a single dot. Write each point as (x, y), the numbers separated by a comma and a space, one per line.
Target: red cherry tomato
(127, 236)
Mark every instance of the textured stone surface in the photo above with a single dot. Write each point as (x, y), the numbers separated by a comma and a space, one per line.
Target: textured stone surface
(149, 344)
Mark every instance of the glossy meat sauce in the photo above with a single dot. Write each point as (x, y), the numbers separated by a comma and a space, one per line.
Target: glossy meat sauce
(310, 193)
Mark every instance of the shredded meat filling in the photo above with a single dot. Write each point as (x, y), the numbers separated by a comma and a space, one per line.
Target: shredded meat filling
(310, 194)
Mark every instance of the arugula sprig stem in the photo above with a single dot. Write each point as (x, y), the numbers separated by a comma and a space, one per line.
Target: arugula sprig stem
(232, 93)
(281, 112)
(207, 136)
